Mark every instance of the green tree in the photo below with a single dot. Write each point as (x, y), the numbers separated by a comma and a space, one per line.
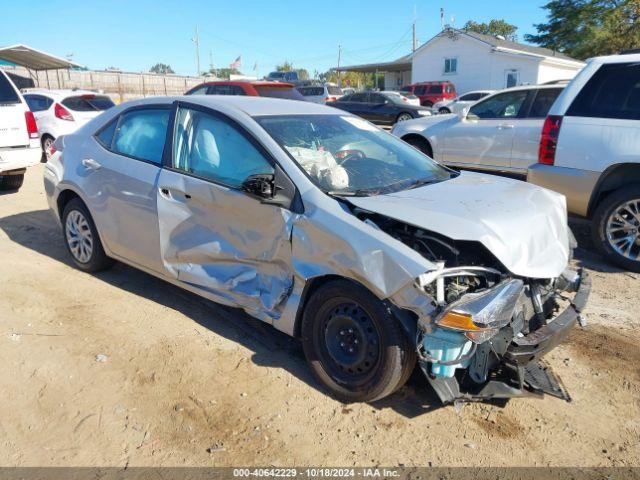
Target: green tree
(161, 68)
(222, 72)
(586, 28)
(287, 66)
(494, 27)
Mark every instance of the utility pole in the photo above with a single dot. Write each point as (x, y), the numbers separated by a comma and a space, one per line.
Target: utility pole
(414, 29)
(338, 68)
(196, 40)
(211, 69)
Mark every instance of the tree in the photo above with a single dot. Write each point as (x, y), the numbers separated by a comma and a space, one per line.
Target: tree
(494, 27)
(222, 72)
(586, 28)
(161, 68)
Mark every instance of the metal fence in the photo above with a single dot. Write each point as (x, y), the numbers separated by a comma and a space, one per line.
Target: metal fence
(120, 86)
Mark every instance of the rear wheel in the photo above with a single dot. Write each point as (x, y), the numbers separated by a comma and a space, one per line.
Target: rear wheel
(81, 238)
(444, 111)
(419, 143)
(616, 227)
(354, 345)
(11, 182)
(403, 117)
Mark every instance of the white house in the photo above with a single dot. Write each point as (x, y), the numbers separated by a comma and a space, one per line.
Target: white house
(473, 61)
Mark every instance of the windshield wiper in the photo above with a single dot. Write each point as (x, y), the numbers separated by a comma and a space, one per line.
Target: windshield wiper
(420, 182)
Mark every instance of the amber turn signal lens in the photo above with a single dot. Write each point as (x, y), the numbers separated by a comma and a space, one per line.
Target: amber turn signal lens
(458, 321)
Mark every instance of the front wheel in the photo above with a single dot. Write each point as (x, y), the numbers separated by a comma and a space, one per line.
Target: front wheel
(354, 345)
(616, 227)
(81, 238)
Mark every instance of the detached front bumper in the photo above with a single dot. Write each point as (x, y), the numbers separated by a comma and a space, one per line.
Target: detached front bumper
(521, 374)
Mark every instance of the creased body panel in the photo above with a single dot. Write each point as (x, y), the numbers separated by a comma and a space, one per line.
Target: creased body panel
(225, 243)
(524, 226)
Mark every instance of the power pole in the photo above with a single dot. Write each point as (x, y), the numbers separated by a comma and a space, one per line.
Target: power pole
(414, 29)
(196, 40)
(338, 68)
(211, 69)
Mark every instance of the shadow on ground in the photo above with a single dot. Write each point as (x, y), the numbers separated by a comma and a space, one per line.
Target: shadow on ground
(37, 231)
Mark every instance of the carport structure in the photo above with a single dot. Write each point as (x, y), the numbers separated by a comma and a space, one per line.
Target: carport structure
(35, 61)
(396, 73)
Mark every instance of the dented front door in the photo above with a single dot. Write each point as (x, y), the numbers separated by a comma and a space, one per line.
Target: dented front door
(213, 236)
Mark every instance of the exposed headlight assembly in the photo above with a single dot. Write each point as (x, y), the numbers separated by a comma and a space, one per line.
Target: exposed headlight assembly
(424, 113)
(479, 316)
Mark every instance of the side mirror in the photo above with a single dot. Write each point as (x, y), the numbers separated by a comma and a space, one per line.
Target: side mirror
(260, 185)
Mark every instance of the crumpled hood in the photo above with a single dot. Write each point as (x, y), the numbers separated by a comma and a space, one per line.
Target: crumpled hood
(523, 225)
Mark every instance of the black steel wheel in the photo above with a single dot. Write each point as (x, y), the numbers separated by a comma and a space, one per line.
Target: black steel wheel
(354, 345)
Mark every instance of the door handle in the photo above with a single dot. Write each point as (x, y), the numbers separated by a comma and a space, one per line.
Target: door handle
(505, 126)
(91, 164)
(171, 193)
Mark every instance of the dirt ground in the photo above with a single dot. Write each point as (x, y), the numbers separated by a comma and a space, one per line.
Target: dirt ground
(122, 369)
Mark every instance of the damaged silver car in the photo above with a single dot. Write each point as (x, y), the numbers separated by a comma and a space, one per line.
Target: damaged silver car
(333, 231)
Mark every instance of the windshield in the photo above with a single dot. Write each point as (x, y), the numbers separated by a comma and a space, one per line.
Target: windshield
(346, 155)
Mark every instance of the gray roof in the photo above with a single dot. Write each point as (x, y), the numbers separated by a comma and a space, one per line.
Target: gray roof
(499, 42)
(33, 59)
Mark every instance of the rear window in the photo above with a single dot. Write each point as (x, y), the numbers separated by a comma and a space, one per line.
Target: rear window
(38, 103)
(226, 90)
(612, 92)
(7, 92)
(334, 90)
(88, 103)
(311, 91)
(279, 92)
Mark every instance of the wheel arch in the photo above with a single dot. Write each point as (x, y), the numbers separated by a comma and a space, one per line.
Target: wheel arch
(419, 138)
(614, 177)
(408, 320)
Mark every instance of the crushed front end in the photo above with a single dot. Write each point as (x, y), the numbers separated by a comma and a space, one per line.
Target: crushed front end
(488, 344)
(482, 330)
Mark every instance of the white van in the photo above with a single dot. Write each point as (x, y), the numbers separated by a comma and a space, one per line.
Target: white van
(590, 152)
(19, 138)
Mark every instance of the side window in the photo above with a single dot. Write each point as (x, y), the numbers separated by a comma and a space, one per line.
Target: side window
(142, 133)
(38, 103)
(612, 92)
(504, 105)
(420, 90)
(543, 101)
(377, 98)
(200, 91)
(105, 136)
(359, 97)
(435, 89)
(210, 147)
(469, 97)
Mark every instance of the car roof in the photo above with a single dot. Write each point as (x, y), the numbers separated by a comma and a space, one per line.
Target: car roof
(62, 93)
(240, 83)
(252, 106)
(622, 58)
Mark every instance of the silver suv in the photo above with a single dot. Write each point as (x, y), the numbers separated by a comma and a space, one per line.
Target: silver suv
(590, 152)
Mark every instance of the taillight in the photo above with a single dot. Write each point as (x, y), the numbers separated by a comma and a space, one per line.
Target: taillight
(32, 126)
(549, 139)
(62, 113)
(330, 99)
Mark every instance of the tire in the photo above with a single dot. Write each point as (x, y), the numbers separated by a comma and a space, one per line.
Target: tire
(444, 111)
(403, 117)
(608, 234)
(81, 238)
(353, 344)
(46, 141)
(11, 182)
(421, 144)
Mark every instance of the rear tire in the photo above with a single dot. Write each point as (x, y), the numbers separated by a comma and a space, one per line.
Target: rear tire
(444, 111)
(11, 182)
(616, 227)
(403, 117)
(81, 238)
(353, 344)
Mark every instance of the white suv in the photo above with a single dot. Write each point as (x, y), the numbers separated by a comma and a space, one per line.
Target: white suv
(590, 152)
(61, 112)
(19, 138)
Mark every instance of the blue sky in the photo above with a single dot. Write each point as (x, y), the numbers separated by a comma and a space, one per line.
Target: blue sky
(134, 35)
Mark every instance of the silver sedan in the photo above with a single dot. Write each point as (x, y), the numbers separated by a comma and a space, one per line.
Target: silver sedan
(331, 230)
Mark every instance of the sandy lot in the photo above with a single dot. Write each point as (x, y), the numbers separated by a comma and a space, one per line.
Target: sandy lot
(187, 382)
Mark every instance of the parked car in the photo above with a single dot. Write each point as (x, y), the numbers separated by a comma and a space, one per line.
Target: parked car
(333, 231)
(320, 93)
(456, 105)
(381, 108)
(251, 89)
(500, 133)
(430, 93)
(290, 77)
(590, 152)
(60, 112)
(19, 137)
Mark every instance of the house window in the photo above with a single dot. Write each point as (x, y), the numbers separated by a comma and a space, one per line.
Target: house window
(512, 78)
(450, 65)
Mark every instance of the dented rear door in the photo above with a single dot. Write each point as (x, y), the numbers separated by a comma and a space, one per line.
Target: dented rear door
(213, 236)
